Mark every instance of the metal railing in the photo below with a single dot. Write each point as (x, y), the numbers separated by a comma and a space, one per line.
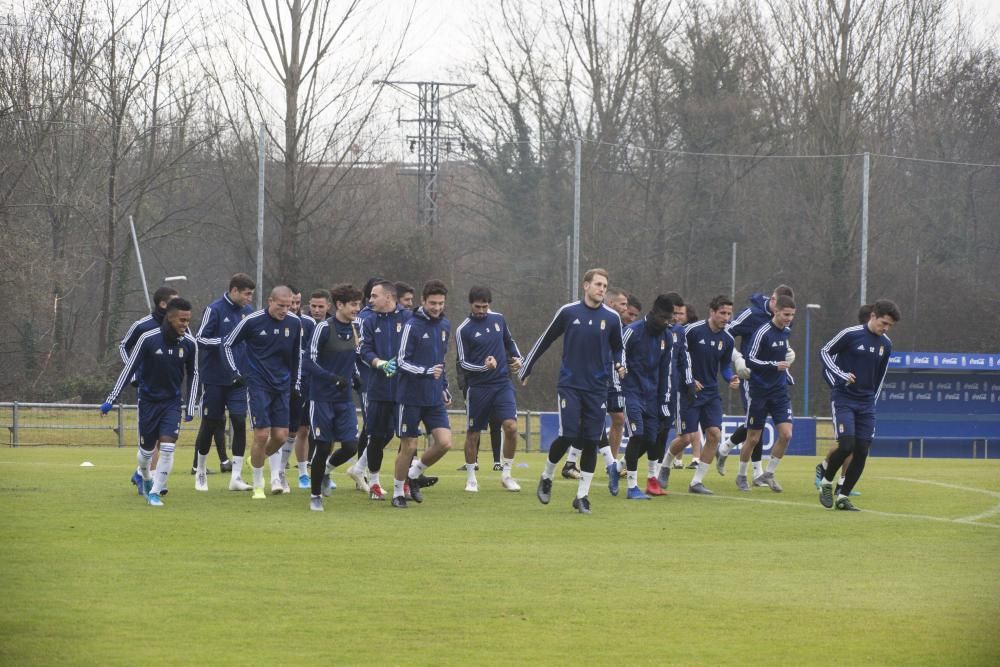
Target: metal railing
(30, 424)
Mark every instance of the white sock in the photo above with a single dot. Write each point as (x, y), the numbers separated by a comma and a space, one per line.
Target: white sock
(274, 463)
(573, 456)
(583, 488)
(373, 479)
(164, 467)
(286, 451)
(470, 472)
(362, 461)
(772, 465)
(699, 473)
(608, 456)
(758, 468)
(725, 448)
(843, 478)
(823, 463)
(303, 468)
(201, 462)
(142, 459)
(549, 469)
(397, 487)
(669, 460)
(652, 469)
(237, 472)
(632, 477)
(258, 477)
(508, 464)
(743, 468)
(417, 469)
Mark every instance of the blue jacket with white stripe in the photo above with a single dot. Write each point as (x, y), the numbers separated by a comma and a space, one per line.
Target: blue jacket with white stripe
(649, 356)
(859, 351)
(478, 338)
(220, 318)
(768, 347)
(709, 353)
(331, 354)
(592, 347)
(160, 360)
(274, 351)
(423, 346)
(381, 334)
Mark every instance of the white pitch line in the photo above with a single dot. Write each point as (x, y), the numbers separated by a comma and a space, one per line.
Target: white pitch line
(943, 484)
(922, 517)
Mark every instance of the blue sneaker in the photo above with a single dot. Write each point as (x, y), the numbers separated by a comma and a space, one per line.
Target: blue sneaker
(612, 470)
(154, 499)
(819, 474)
(136, 480)
(147, 486)
(304, 482)
(636, 493)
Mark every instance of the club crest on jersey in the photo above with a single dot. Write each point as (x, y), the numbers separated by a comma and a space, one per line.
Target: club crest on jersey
(317, 432)
(881, 350)
(287, 332)
(180, 353)
(840, 428)
(496, 325)
(444, 335)
(603, 324)
(663, 345)
(399, 327)
(563, 402)
(720, 345)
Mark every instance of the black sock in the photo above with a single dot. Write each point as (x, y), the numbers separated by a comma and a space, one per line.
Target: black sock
(346, 451)
(220, 441)
(318, 465)
(637, 446)
(857, 466)
(239, 435)
(376, 450)
(845, 447)
(739, 435)
(558, 448)
(496, 439)
(588, 455)
(203, 441)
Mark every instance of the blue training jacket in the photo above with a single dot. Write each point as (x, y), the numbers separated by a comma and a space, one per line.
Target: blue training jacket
(856, 350)
(218, 321)
(160, 360)
(768, 347)
(274, 351)
(650, 361)
(476, 339)
(381, 334)
(592, 346)
(332, 350)
(709, 354)
(423, 346)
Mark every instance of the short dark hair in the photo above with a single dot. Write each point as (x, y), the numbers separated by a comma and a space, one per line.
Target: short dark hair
(692, 314)
(241, 281)
(784, 301)
(479, 293)
(344, 293)
(163, 294)
(388, 286)
(634, 303)
(293, 288)
(720, 301)
(178, 304)
(865, 313)
(434, 286)
(884, 307)
(676, 300)
(321, 294)
(366, 291)
(404, 288)
(783, 290)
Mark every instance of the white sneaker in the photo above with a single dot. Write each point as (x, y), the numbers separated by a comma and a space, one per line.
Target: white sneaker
(509, 484)
(237, 484)
(359, 479)
(472, 486)
(277, 488)
(201, 481)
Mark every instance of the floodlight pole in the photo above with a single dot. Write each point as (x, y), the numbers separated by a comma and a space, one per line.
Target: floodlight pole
(809, 308)
(142, 271)
(864, 228)
(578, 150)
(261, 144)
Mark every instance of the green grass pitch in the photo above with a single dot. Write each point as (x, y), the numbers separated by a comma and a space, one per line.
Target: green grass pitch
(92, 576)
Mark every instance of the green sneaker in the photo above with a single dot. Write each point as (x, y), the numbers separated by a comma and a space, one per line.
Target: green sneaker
(826, 495)
(844, 503)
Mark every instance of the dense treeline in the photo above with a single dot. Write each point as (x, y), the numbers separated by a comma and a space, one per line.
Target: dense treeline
(686, 112)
